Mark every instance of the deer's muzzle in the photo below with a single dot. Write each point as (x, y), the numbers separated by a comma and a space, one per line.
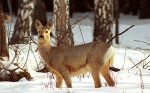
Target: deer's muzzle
(41, 37)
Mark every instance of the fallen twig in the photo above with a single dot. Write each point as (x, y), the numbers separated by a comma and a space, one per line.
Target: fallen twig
(114, 69)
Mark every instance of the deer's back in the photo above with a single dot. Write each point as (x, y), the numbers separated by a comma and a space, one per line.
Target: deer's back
(78, 56)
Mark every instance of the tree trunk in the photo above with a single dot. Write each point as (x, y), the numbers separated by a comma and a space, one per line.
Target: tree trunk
(23, 23)
(144, 9)
(116, 18)
(39, 13)
(3, 46)
(28, 12)
(62, 23)
(125, 6)
(103, 20)
(135, 6)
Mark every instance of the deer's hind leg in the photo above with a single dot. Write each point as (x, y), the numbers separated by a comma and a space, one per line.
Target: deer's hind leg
(106, 74)
(94, 70)
(59, 81)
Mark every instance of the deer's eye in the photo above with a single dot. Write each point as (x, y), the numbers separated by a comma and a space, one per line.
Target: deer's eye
(46, 31)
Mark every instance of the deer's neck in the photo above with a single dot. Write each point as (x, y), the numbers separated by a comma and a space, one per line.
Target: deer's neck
(44, 49)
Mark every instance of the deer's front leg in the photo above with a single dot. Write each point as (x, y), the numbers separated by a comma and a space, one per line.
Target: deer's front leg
(59, 78)
(66, 77)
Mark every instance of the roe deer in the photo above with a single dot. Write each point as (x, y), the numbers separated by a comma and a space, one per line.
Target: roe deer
(67, 61)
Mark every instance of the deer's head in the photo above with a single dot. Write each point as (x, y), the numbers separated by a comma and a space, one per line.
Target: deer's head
(43, 31)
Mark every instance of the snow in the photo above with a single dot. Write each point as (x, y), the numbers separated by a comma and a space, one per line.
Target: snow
(127, 80)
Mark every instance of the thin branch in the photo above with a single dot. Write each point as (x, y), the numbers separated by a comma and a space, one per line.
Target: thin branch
(141, 61)
(27, 57)
(120, 34)
(131, 60)
(5, 69)
(142, 42)
(77, 21)
(141, 79)
(146, 64)
(35, 59)
(124, 59)
(142, 49)
(81, 34)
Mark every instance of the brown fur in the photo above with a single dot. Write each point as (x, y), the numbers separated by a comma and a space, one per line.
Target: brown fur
(69, 61)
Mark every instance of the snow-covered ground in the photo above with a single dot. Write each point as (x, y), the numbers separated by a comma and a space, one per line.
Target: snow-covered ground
(128, 54)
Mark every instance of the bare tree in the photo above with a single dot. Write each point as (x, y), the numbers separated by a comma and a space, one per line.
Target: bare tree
(28, 12)
(144, 7)
(62, 23)
(39, 13)
(103, 20)
(3, 46)
(116, 18)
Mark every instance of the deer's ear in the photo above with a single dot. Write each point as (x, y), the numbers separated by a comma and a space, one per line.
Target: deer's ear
(38, 24)
(49, 24)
